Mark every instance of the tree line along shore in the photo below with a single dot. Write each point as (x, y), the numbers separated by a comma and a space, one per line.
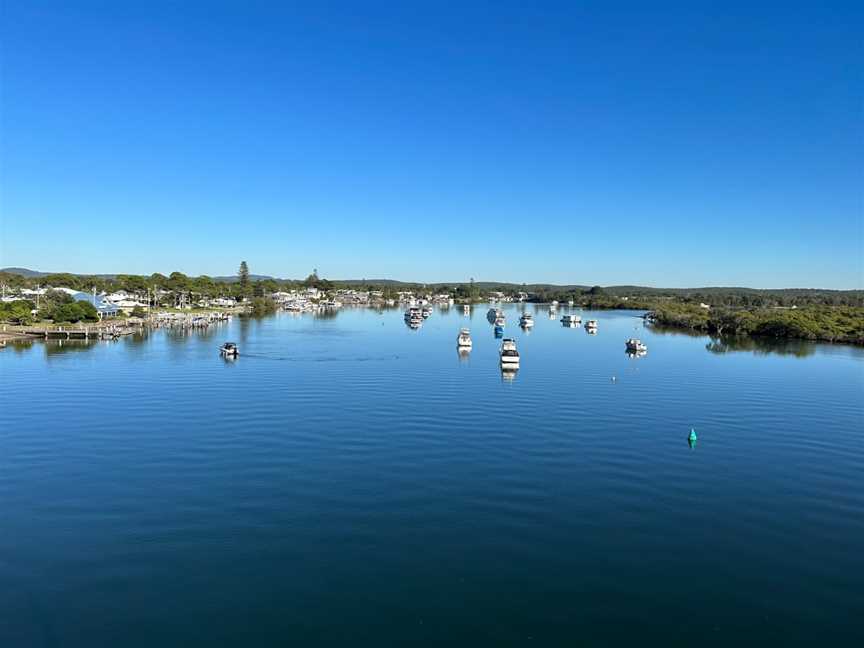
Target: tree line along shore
(809, 314)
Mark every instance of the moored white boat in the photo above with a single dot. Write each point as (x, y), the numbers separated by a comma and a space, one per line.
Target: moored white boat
(463, 340)
(229, 350)
(413, 318)
(508, 354)
(636, 345)
(526, 321)
(571, 320)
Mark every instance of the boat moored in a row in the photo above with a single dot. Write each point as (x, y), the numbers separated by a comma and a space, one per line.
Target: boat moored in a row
(509, 354)
(414, 318)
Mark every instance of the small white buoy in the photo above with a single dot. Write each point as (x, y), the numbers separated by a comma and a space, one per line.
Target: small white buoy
(614, 379)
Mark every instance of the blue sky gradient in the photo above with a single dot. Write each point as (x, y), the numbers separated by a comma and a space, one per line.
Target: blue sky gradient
(666, 144)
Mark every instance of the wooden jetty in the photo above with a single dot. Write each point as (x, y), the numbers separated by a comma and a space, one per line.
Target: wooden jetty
(112, 330)
(81, 332)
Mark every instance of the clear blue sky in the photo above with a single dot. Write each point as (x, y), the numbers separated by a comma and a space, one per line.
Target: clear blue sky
(666, 144)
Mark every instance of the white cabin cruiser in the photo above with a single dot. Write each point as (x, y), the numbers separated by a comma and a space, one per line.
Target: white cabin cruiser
(526, 321)
(571, 320)
(466, 309)
(463, 340)
(509, 354)
(413, 318)
(591, 325)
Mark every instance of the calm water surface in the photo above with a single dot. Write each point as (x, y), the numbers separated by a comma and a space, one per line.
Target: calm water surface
(348, 481)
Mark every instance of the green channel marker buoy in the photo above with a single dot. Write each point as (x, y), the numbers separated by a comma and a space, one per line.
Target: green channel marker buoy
(692, 438)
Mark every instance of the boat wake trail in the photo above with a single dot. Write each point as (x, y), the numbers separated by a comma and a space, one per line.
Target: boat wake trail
(260, 356)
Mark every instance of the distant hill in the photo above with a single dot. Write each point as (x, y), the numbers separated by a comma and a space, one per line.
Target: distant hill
(31, 274)
(376, 282)
(24, 272)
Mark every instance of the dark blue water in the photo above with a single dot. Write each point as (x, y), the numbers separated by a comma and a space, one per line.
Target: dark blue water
(348, 481)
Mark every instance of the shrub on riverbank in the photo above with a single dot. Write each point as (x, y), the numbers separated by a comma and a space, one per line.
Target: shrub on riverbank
(80, 311)
(17, 312)
(831, 324)
(262, 306)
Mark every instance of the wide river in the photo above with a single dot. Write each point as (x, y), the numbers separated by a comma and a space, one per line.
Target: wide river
(350, 482)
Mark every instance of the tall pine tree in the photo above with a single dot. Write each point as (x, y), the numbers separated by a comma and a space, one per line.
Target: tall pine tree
(243, 277)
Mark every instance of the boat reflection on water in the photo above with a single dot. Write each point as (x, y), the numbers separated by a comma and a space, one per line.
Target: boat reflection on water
(636, 354)
(464, 353)
(508, 374)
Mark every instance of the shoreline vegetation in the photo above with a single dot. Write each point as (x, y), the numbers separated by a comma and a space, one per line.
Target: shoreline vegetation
(804, 314)
(842, 324)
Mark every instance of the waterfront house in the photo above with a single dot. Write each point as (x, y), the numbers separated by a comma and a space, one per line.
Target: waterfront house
(104, 307)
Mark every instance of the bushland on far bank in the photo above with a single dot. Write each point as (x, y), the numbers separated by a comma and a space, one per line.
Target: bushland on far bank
(824, 323)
